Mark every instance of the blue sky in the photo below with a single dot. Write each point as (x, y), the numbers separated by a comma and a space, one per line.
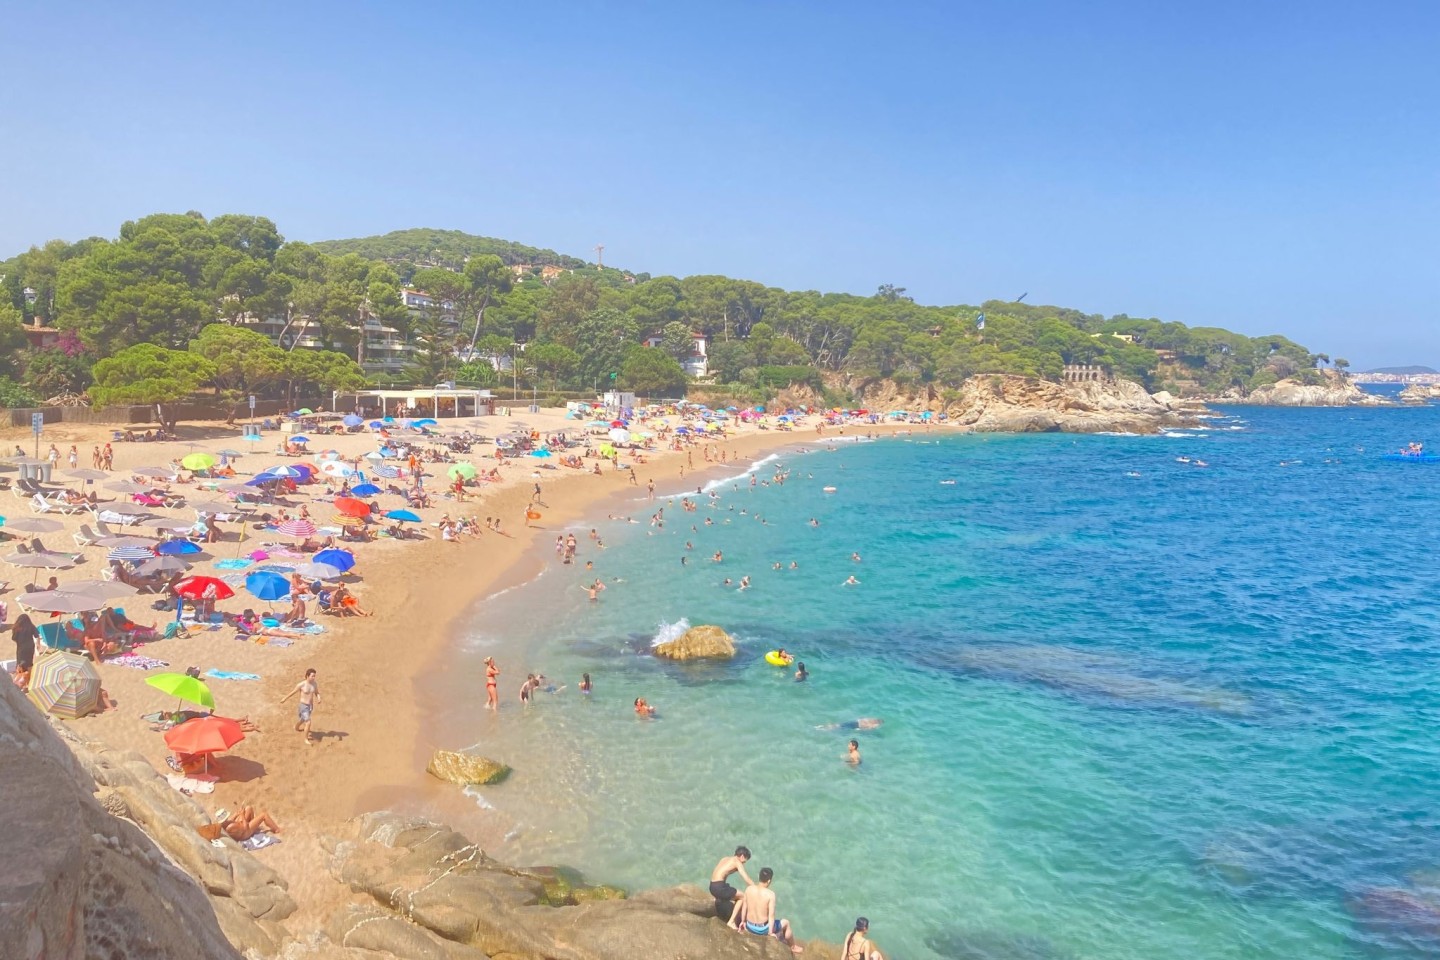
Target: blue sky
(1270, 167)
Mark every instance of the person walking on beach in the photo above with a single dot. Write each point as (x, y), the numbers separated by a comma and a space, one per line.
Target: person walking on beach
(727, 898)
(309, 691)
(757, 913)
(650, 486)
(492, 672)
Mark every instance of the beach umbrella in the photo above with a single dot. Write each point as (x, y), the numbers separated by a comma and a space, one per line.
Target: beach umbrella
(227, 452)
(203, 588)
(425, 422)
(405, 516)
(127, 486)
(606, 450)
(137, 552)
(152, 471)
(345, 520)
(304, 411)
(352, 507)
(619, 435)
(178, 548)
(106, 589)
(197, 461)
(299, 439)
(307, 471)
(351, 420)
(261, 480)
(335, 468)
(40, 561)
(182, 686)
(365, 490)
(542, 452)
(317, 571)
(65, 685)
(280, 472)
(267, 586)
(385, 471)
(62, 601)
(376, 424)
(155, 565)
(598, 423)
(458, 470)
(126, 542)
(132, 509)
(33, 525)
(342, 560)
(168, 524)
(387, 419)
(86, 473)
(328, 455)
(374, 455)
(296, 527)
(204, 735)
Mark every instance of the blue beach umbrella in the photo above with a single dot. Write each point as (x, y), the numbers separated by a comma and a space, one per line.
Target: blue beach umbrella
(341, 560)
(387, 420)
(352, 421)
(177, 548)
(540, 453)
(299, 439)
(260, 480)
(389, 473)
(426, 422)
(406, 515)
(282, 472)
(376, 424)
(267, 586)
(365, 490)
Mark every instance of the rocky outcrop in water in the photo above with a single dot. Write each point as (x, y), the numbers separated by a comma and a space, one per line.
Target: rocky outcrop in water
(465, 768)
(1335, 392)
(433, 893)
(1420, 393)
(698, 643)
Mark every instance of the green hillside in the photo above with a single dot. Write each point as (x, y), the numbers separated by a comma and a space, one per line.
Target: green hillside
(424, 247)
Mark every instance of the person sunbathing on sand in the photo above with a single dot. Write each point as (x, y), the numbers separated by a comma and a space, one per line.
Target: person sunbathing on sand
(245, 822)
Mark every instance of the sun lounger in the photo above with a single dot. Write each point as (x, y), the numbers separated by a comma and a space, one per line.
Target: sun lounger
(52, 635)
(85, 537)
(38, 504)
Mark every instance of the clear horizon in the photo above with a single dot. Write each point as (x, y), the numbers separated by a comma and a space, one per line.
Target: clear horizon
(1269, 170)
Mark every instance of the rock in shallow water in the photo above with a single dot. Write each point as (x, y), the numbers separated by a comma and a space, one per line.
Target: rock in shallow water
(464, 768)
(698, 643)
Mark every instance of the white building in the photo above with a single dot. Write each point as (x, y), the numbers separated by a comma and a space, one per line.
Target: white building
(696, 363)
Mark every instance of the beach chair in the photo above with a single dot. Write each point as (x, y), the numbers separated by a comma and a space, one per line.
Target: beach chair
(30, 485)
(85, 537)
(59, 503)
(38, 504)
(53, 637)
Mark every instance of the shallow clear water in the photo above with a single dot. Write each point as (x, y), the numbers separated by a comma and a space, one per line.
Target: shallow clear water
(1184, 713)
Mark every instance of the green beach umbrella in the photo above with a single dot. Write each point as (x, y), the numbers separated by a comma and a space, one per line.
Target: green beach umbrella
(465, 470)
(197, 461)
(184, 687)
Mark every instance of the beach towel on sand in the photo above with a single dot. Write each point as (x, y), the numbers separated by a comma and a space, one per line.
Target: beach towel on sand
(190, 784)
(137, 662)
(260, 841)
(238, 563)
(231, 675)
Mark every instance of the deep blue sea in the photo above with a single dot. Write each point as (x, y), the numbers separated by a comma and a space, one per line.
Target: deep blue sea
(1133, 708)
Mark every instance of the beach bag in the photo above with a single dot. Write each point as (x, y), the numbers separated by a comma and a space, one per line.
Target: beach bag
(174, 629)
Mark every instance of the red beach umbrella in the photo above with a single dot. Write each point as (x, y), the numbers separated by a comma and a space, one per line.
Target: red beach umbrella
(203, 588)
(204, 735)
(296, 527)
(351, 507)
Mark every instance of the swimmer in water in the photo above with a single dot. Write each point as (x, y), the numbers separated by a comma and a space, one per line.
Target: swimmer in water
(744, 583)
(814, 522)
(585, 685)
(855, 557)
(643, 709)
(801, 674)
(852, 757)
(864, 723)
(850, 581)
(594, 590)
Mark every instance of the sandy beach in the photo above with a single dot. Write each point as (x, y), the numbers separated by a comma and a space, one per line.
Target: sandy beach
(370, 749)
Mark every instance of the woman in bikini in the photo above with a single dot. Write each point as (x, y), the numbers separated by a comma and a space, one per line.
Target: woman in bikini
(492, 698)
(858, 946)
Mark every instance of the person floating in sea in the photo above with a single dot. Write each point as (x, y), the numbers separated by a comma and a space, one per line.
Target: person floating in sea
(855, 557)
(594, 590)
(801, 674)
(850, 581)
(744, 583)
(585, 686)
(864, 723)
(757, 913)
(727, 898)
(643, 709)
(492, 673)
(852, 756)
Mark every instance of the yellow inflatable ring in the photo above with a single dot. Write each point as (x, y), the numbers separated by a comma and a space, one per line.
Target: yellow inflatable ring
(775, 660)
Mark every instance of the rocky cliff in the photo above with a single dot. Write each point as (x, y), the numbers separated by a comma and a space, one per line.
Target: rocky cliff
(1008, 404)
(1420, 393)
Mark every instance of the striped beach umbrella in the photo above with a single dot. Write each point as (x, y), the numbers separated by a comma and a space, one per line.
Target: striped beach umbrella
(281, 472)
(65, 685)
(296, 527)
(346, 520)
(130, 553)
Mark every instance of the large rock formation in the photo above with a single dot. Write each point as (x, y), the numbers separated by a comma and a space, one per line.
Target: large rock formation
(1336, 391)
(81, 881)
(996, 404)
(465, 768)
(1420, 393)
(461, 904)
(698, 643)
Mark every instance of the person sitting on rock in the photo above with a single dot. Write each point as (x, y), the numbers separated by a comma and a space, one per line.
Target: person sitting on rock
(245, 822)
(756, 913)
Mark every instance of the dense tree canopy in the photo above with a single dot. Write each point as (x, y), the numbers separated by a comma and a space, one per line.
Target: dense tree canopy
(181, 282)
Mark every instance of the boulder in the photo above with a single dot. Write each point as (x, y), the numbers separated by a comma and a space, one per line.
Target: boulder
(465, 768)
(698, 643)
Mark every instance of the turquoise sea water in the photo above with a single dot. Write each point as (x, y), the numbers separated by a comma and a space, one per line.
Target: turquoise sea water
(1133, 708)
